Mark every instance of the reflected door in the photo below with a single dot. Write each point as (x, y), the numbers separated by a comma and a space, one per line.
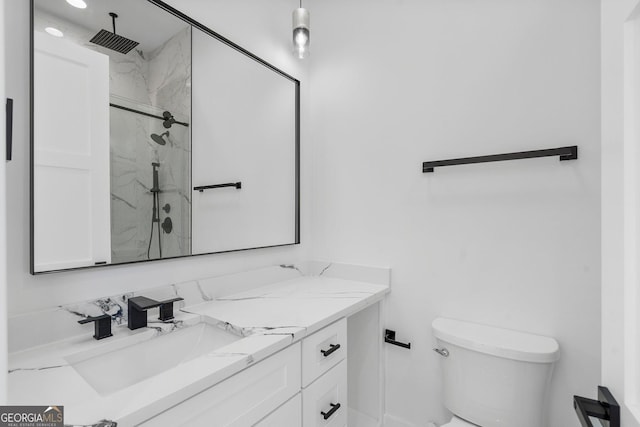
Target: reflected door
(71, 160)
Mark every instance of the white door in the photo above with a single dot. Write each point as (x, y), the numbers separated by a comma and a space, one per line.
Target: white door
(620, 27)
(71, 155)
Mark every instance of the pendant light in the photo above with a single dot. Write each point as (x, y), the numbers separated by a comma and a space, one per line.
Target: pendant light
(301, 31)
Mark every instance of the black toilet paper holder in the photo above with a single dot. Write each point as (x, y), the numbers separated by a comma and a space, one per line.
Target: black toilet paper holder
(390, 337)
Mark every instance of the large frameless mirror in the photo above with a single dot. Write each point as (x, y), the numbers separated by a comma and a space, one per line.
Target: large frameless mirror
(153, 138)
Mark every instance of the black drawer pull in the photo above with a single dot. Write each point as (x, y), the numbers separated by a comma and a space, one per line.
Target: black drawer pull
(332, 348)
(334, 408)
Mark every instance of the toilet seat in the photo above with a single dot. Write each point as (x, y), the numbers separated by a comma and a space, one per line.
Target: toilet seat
(458, 422)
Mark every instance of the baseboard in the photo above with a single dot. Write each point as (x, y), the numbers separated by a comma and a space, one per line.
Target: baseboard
(393, 421)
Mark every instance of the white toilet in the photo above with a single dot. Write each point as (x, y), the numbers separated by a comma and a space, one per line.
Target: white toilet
(494, 377)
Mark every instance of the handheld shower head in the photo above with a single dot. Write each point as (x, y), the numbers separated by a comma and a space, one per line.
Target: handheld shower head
(158, 139)
(168, 119)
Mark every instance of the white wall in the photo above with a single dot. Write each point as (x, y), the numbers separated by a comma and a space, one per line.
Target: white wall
(265, 34)
(3, 227)
(515, 244)
(619, 212)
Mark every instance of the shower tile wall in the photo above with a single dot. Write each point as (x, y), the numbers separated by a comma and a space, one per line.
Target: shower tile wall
(160, 80)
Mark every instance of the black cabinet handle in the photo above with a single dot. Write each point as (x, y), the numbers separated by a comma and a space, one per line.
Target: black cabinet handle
(334, 408)
(332, 348)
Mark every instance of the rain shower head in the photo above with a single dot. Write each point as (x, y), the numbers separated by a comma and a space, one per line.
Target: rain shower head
(113, 41)
(158, 139)
(168, 119)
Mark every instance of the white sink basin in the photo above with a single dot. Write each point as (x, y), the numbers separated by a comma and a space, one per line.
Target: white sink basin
(129, 361)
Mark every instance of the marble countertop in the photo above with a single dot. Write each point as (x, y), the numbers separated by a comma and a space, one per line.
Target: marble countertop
(269, 318)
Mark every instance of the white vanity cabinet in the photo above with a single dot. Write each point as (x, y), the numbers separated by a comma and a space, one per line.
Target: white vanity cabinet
(241, 400)
(287, 415)
(311, 383)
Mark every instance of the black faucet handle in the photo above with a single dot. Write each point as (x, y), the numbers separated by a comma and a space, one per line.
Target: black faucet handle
(166, 308)
(102, 325)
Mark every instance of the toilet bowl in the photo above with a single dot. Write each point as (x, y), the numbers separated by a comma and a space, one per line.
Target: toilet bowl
(458, 422)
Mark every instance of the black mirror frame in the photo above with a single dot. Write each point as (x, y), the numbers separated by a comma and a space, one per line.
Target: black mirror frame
(210, 32)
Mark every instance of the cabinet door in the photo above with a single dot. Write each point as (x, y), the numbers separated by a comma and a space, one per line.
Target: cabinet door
(324, 403)
(323, 350)
(288, 415)
(241, 400)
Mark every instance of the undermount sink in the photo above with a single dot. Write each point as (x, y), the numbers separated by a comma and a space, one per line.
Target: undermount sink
(128, 363)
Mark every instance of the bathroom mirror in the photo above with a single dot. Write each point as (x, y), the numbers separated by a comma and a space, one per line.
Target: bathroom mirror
(153, 137)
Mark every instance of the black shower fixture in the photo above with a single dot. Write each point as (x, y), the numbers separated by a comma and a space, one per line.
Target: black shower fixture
(158, 139)
(168, 119)
(113, 41)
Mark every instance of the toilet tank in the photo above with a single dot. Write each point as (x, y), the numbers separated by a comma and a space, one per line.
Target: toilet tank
(495, 377)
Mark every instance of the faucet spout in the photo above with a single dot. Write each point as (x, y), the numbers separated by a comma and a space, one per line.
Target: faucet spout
(138, 307)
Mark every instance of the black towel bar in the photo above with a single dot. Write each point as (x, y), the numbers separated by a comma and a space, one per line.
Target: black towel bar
(201, 188)
(565, 153)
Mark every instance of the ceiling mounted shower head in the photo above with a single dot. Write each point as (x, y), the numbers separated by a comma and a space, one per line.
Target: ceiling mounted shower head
(168, 119)
(158, 139)
(113, 41)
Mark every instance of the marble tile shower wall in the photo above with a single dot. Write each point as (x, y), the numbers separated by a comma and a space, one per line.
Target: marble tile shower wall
(152, 82)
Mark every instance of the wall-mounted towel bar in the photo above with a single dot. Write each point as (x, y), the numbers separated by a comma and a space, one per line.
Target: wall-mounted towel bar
(565, 153)
(238, 185)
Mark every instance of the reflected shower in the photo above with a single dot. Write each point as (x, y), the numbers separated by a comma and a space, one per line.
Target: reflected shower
(159, 139)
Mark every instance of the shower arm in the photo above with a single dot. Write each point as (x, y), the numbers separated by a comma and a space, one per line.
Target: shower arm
(113, 19)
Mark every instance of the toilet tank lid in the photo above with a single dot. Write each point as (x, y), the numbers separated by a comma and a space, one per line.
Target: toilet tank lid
(497, 341)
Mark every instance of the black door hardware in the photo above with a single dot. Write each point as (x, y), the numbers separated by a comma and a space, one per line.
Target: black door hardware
(201, 188)
(102, 326)
(565, 153)
(334, 408)
(9, 127)
(606, 408)
(332, 348)
(390, 337)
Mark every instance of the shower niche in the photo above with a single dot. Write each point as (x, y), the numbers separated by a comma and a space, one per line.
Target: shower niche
(149, 139)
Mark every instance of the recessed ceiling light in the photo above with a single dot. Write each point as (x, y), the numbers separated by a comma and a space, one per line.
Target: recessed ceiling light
(54, 32)
(80, 4)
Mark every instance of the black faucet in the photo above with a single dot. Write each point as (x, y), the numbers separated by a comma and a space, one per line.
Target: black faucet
(102, 326)
(138, 307)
